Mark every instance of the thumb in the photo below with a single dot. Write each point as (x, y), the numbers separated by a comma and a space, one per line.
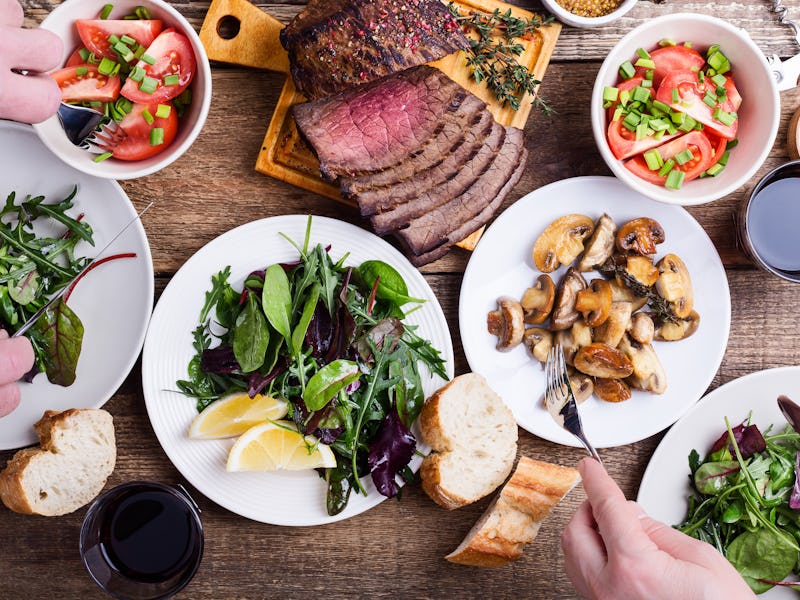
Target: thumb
(681, 546)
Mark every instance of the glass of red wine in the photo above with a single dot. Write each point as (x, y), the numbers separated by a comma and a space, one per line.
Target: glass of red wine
(142, 540)
(769, 222)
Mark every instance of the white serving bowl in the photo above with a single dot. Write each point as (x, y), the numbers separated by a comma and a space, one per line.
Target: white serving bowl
(759, 113)
(62, 22)
(563, 15)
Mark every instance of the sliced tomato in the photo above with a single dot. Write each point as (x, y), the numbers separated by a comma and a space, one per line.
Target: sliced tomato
(136, 144)
(673, 58)
(623, 142)
(87, 87)
(626, 85)
(718, 144)
(173, 55)
(695, 141)
(75, 59)
(691, 93)
(95, 33)
(733, 94)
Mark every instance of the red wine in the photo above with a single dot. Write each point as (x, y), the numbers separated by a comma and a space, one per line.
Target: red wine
(773, 222)
(148, 535)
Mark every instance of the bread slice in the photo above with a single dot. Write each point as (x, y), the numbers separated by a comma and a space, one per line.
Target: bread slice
(514, 517)
(77, 454)
(473, 435)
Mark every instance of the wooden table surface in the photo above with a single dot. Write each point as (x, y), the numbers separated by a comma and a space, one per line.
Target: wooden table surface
(397, 548)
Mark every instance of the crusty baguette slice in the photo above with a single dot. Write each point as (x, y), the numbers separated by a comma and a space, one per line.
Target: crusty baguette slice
(77, 454)
(473, 435)
(514, 517)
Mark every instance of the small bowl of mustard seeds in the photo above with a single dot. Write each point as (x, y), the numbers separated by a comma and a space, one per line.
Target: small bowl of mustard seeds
(588, 13)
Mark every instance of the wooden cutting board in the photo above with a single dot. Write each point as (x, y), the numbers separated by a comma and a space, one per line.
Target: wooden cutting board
(237, 32)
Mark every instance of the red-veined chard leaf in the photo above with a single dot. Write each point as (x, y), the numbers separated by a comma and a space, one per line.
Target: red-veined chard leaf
(62, 332)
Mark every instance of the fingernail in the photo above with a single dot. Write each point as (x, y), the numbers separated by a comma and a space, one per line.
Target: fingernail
(3, 334)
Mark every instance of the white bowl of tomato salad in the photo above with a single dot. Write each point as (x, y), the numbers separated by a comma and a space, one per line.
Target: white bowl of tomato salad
(685, 109)
(142, 64)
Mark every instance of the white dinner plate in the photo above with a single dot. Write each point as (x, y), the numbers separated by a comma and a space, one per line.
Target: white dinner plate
(113, 301)
(502, 265)
(665, 485)
(280, 497)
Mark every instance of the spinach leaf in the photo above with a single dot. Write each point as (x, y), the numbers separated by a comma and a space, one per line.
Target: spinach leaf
(339, 485)
(299, 333)
(327, 382)
(391, 286)
(250, 336)
(62, 331)
(276, 300)
(762, 554)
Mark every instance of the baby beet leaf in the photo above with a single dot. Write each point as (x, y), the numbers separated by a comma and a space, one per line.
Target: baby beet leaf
(276, 300)
(63, 332)
(327, 382)
(250, 337)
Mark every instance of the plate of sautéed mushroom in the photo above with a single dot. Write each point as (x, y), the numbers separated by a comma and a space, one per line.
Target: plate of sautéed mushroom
(633, 289)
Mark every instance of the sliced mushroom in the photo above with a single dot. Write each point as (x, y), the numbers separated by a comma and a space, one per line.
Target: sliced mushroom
(600, 360)
(611, 332)
(600, 245)
(640, 236)
(642, 270)
(538, 341)
(648, 373)
(537, 301)
(506, 323)
(681, 329)
(564, 313)
(594, 303)
(612, 390)
(561, 242)
(675, 285)
(622, 293)
(573, 339)
(582, 385)
(642, 328)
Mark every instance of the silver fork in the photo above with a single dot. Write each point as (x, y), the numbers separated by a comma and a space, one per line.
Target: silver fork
(560, 400)
(83, 128)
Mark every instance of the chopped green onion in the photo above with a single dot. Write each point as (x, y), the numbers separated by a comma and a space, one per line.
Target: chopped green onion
(645, 63)
(715, 169)
(710, 99)
(657, 125)
(647, 83)
(156, 136)
(653, 159)
(107, 8)
(719, 80)
(731, 144)
(116, 69)
(684, 156)
(610, 93)
(617, 114)
(668, 164)
(148, 85)
(626, 70)
(676, 96)
(113, 40)
(96, 104)
(724, 117)
(137, 74)
(632, 119)
(163, 110)
(143, 13)
(84, 54)
(81, 71)
(642, 53)
(687, 44)
(629, 127)
(701, 78)
(661, 106)
(92, 60)
(102, 157)
(714, 48)
(148, 117)
(699, 126)
(666, 42)
(659, 134)
(624, 97)
(648, 75)
(127, 40)
(106, 66)
(719, 62)
(723, 160)
(688, 124)
(672, 130)
(675, 180)
(642, 131)
(172, 80)
(148, 59)
(139, 51)
(640, 94)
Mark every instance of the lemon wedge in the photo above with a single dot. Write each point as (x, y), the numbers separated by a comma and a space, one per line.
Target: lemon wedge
(234, 414)
(278, 445)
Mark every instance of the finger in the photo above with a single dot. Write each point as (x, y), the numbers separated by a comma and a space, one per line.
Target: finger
(28, 98)
(9, 398)
(11, 13)
(16, 359)
(584, 551)
(681, 546)
(35, 50)
(617, 519)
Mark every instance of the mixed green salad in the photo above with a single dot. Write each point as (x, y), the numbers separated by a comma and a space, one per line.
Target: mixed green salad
(332, 341)
(747, 503)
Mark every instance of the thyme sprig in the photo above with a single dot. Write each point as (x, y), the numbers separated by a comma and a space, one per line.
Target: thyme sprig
(493, 56)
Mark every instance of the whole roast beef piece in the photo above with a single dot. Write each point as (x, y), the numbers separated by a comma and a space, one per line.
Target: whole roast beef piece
(378, 125)
(334, 45)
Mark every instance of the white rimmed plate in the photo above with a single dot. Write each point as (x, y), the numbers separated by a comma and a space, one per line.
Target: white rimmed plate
(665, 484)
(280, 498)
(502, 265)
(113, 301)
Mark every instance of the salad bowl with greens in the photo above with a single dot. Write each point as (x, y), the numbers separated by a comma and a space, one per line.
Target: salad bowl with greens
(319, 314)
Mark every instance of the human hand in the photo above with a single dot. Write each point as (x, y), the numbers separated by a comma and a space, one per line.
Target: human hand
(613, 550)
(27, 98)
(16, 359)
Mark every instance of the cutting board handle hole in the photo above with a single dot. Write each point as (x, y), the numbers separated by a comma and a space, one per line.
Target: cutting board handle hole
(228, 27)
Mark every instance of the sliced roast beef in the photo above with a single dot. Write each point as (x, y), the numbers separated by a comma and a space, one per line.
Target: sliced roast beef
(334, 45)
(378, 125)
(449, 167)
(441, 224)
(467, 124)
(472, 225)
(392, 216)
